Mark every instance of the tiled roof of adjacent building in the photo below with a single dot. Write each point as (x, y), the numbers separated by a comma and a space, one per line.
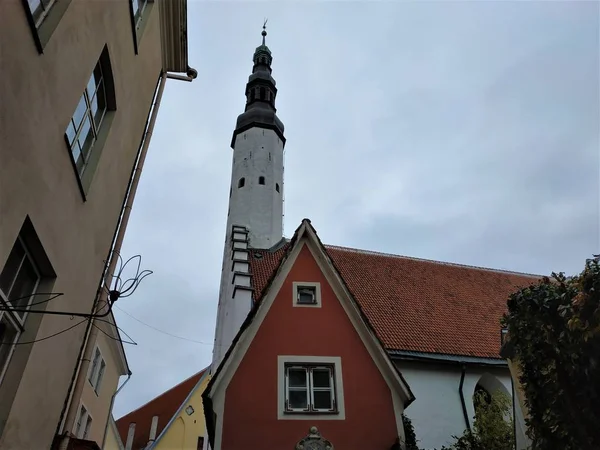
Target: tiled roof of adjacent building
(164, 406)
(418, 305)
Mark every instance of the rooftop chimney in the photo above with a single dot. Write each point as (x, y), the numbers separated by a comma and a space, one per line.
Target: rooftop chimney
(130, 434)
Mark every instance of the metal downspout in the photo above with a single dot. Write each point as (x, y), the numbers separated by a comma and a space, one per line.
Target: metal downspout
(462, 397)
(116, 247)
(110, 408)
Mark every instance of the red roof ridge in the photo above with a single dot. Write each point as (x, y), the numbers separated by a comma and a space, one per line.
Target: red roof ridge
(199, 373)
(433, 261)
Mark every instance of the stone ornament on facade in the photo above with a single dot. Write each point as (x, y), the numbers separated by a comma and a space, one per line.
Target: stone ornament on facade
(314, 441)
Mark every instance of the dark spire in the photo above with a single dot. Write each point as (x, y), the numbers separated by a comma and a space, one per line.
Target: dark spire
(260, 95)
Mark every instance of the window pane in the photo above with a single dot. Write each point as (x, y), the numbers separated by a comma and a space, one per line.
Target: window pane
(77, 156)
(79, 111)
(322, 400)
(99, 106)
(94, 366)
(8, 274)
(321, 378)
(100, 374)
(71, 132)
(8, 336)
(24, 286)
(297, 377)
(86, 138)
(298, 400)
(95, 80)
(87, 427)
(136, 6)
(36, 8)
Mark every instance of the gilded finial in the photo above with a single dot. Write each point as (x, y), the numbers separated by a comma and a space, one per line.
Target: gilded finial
(264, 31)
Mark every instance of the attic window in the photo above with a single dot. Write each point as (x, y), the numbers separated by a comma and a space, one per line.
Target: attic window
(261, 180)
(242, 182)
(189, 410)
(277, 187)
(307, 294)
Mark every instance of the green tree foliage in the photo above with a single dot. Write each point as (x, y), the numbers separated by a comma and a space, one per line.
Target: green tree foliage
(409, 434)
(554, 329)
(492, 427)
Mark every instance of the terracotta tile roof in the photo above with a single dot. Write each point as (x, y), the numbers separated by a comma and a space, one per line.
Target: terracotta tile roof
(418, 305)
(164, 406)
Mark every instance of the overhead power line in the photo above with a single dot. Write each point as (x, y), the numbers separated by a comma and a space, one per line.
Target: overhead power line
(162, 331)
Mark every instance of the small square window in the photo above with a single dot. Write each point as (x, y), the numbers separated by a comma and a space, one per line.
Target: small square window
(306, 295)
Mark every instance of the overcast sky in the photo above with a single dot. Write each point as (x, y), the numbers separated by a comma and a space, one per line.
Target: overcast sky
(455, 131)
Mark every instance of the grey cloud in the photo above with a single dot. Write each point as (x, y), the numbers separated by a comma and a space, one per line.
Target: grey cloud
(458, 131)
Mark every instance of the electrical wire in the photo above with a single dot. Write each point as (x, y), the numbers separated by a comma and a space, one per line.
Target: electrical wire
(113, 338)
(163, 332)
(45, 337)
(117, 327)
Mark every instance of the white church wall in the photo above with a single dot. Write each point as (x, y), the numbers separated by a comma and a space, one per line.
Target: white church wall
(437, 412)
(258, 153)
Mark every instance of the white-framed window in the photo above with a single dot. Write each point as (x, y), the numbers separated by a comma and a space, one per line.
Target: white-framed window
(307, 294)
(310, 388)
(84, 126)
(83, 423)
(96, 370)
(19, 280)
(39, 9)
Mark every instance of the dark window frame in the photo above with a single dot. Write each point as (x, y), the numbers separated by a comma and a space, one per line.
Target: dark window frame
(43, 26)
(139, 21)
(84, 175)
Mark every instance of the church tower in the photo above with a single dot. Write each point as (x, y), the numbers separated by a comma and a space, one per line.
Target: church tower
(255, 215)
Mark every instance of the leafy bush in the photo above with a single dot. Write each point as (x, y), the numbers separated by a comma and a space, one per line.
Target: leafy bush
(554, 329)
(409, 433)
(492, 427)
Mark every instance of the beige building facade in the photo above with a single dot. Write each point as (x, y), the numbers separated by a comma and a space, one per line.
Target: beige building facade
(78, 79)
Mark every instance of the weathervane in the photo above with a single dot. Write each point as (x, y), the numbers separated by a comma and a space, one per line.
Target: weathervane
(264, 31)
(123, 287)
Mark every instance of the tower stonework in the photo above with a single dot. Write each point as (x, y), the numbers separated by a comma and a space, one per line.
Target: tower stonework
(255, 214)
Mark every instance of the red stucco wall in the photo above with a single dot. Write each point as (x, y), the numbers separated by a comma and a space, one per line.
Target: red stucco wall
(250, 417)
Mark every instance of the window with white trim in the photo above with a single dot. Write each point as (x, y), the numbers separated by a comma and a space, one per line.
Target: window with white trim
(83, 129)
(310, 388)
(307, 294)
(97, 370)
(39, 9)
(83, 424)
(19, 280)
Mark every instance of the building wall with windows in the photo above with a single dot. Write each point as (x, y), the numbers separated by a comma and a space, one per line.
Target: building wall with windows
(98, 382)
(313, 369)
(77, 80)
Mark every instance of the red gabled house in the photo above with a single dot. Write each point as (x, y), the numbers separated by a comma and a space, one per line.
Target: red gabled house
(306, 362)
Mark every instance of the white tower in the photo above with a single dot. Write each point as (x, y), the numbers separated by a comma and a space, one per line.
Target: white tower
(255, 216)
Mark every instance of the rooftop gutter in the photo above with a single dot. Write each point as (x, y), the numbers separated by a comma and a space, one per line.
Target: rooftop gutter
(406, 355)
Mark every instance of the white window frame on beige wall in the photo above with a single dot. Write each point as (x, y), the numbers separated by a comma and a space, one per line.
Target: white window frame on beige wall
(83, 422)
(334, 362)
(297, 285)
(96, 370)
(87, 119)
(11, 281)
(39, 9)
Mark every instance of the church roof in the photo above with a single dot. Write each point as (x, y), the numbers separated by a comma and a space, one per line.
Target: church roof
(164, 406)
(418, 305)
